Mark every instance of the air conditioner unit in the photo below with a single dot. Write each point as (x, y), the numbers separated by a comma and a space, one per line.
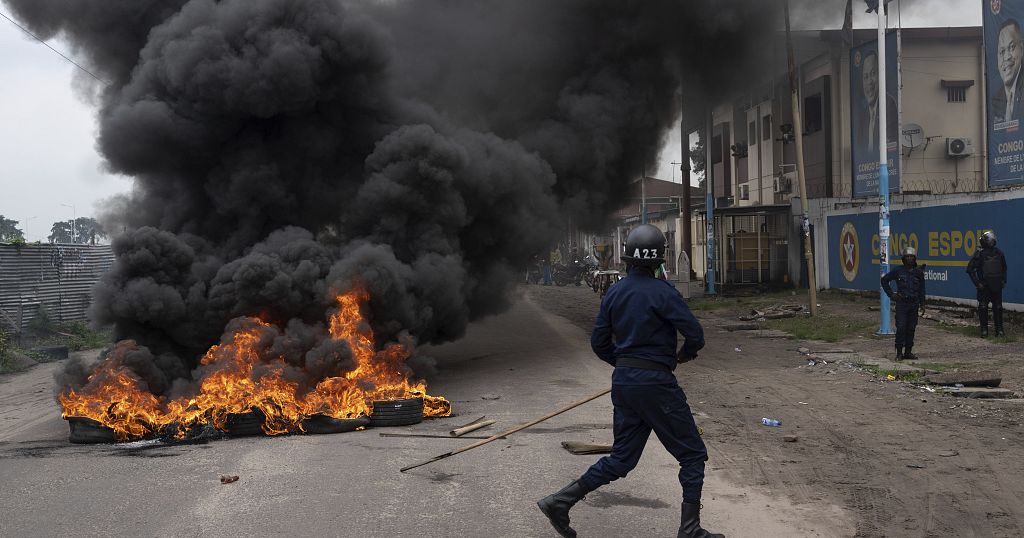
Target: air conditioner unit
(783, 183)
(959, 147)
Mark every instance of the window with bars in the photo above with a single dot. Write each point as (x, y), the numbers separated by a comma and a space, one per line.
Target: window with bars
(956, 90)
(956, 95)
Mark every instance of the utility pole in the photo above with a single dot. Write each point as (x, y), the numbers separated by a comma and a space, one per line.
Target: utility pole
(709, 189)
(798, 129)
(885, 328)
(684, 167)
(643, 195)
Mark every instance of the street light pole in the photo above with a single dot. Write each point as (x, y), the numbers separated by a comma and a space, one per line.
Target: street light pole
(74, 218)
(26, 225)
(885, 327)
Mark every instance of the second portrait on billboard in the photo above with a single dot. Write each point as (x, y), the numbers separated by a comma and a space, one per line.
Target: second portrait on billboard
(865, 118)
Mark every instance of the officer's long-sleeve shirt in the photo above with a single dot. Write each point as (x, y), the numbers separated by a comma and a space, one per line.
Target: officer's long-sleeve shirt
(976, 267)
(910, 286)
(644, 315)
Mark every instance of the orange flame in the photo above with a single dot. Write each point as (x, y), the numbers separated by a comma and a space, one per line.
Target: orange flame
(239, 377)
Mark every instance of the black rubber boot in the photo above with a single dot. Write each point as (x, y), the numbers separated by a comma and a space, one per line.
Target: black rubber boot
(690, 525)
(556, 506)
(997, 316)
(909, 354)
(899, 352)
(983, 320)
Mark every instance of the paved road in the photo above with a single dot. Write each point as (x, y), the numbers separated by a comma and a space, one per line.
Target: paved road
(349, 484)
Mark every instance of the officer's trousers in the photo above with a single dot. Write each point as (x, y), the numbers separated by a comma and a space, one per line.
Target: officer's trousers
(639, 409)
(906, 323)
(991, 292)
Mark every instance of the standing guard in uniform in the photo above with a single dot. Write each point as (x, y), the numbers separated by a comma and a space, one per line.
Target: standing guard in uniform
(909, 297)
(987, 270)
(643, 314)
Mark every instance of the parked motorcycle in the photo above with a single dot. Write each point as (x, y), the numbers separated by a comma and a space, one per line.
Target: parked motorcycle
(590, 266)
(563, 275)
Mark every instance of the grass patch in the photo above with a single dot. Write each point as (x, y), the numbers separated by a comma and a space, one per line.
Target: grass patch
(78, 336)
(975, 332)
(893, 375)
(823, 327)
(746, 302)
(710, 304)
(5, 365)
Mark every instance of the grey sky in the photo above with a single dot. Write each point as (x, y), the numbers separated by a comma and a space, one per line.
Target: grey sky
(46, 138)
(47, 154)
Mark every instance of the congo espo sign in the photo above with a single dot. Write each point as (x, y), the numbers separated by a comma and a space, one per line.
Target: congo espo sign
(945, 238)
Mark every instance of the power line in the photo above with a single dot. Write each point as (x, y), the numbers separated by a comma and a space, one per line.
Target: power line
(61, 54)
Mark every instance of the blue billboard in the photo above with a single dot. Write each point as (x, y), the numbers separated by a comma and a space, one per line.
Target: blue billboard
(945, 238)
(1004, 50)
(864, 135)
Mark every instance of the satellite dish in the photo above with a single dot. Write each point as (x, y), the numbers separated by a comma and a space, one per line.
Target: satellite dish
(912, 136)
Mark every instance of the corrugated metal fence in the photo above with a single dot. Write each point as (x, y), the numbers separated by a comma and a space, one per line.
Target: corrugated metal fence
(58, 277)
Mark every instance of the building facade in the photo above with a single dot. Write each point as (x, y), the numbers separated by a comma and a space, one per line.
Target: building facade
(937, 147)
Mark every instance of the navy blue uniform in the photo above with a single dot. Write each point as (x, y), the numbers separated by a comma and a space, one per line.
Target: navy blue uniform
(644, 315)
(987, 270)
(909, 297)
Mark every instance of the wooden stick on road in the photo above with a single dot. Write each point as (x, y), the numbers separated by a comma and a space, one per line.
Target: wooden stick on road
(497, 436)
(463, 430)
(432, 436)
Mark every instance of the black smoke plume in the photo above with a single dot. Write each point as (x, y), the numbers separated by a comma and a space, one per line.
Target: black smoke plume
(285, 150)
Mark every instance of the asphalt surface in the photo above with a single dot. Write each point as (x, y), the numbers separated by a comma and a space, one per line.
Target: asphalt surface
(349, 484)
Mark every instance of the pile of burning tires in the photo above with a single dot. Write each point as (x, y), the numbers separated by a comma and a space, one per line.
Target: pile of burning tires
(404, 412)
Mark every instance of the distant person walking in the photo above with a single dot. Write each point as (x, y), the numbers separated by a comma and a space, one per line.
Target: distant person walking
(546, 268)
(987, 270)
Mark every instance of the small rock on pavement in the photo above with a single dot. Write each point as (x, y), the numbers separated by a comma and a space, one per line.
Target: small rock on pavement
(228, 479)
(490, 397)
(790, 438)
(949, 454)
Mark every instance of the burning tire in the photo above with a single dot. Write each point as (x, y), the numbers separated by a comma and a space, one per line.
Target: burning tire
(85, 431)
(397, 412)
(321, 424)
(245, 424)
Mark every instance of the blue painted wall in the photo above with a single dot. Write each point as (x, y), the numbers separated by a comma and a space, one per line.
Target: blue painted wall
(945, 237)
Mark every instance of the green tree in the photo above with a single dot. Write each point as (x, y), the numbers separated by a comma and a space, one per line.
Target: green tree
(9, 231)
(87, 231)
(60, 232)
(698, 158)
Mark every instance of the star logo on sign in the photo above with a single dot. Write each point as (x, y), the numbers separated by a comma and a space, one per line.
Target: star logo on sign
(849, 251)
(848, 248)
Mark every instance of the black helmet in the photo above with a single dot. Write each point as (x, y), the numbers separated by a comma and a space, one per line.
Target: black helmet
(645, 246)
(988, 239)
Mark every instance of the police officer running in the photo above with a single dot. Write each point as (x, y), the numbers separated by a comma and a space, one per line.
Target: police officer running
(643, 314)
(987, 270)
(909, 297)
